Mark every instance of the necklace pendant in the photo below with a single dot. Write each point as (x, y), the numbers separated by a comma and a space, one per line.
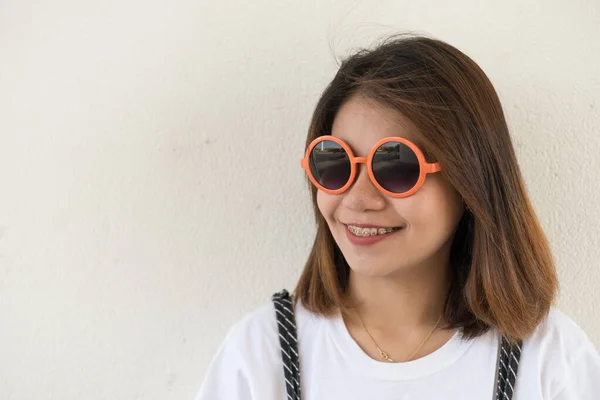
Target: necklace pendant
(384, 355)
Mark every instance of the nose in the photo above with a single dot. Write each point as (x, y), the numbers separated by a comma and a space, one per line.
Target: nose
(362, 195)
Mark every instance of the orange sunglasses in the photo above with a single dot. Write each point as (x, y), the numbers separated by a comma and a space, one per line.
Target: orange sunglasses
(397, 167)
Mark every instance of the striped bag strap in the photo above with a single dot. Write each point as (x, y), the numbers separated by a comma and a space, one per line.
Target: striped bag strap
(288, 339)
(508, 365)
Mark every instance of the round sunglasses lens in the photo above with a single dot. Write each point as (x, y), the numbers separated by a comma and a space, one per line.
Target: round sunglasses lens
(330, 164)
(396, 167)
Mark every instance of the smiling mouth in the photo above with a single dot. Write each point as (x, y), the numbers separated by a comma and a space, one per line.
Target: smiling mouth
(366, 232)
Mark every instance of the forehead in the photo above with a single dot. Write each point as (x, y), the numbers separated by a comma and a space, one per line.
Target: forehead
(361, 123)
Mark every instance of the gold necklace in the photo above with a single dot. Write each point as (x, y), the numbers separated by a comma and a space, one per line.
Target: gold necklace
(385, 355)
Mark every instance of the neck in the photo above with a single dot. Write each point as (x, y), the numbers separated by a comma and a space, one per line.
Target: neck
(411, 299)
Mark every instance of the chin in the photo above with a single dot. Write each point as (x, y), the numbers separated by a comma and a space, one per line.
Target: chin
(370, 270)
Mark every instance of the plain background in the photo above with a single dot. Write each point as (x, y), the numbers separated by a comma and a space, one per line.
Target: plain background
(150, 188)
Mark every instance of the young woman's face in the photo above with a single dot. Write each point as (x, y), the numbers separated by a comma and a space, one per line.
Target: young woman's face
(428, 218)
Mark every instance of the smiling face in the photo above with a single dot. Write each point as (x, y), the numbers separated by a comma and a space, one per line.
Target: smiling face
(428, 218)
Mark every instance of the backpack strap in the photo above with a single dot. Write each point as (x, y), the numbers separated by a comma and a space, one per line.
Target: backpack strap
(288, 339)
(508, 354)
(508, 366)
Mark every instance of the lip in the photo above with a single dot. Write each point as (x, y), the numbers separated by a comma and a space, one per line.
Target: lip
(367, 225)
(368, 240)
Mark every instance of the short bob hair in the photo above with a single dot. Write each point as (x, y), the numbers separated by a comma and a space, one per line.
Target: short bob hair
(502, 270)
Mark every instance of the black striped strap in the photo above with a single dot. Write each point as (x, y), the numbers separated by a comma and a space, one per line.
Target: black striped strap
(508, 354)
(508, 365)
(286, 324)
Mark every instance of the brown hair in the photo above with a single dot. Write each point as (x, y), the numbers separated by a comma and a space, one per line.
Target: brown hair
(503, 273)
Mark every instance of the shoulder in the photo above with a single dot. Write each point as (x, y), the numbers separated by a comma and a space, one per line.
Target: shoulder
(257, 329)
(560, 334)
(235, 372)
(563, 356)
(249, 358)
(256, 334)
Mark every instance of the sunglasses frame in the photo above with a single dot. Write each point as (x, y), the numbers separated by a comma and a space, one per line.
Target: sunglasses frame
(424, 166)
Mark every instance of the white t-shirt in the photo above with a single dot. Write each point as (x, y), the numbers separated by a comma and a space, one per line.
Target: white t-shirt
(558, 362)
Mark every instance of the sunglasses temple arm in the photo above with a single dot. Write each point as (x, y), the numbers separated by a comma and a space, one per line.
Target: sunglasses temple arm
(432, 167)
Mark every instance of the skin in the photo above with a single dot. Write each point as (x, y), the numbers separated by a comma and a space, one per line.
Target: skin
(398, 284)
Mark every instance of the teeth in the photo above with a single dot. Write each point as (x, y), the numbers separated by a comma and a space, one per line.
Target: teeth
(365, 232)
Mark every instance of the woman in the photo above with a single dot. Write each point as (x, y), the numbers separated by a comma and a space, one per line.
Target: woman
(430, 276)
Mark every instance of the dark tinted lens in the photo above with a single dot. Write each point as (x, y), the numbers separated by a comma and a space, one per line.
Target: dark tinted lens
(330, 165)
(396, 167)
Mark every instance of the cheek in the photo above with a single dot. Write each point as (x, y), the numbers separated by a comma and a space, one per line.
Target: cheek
(446, 207)
(437, 206)
(326, 204)
(329, 205)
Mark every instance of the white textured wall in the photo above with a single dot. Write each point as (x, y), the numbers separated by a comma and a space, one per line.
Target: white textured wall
(150, 190)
